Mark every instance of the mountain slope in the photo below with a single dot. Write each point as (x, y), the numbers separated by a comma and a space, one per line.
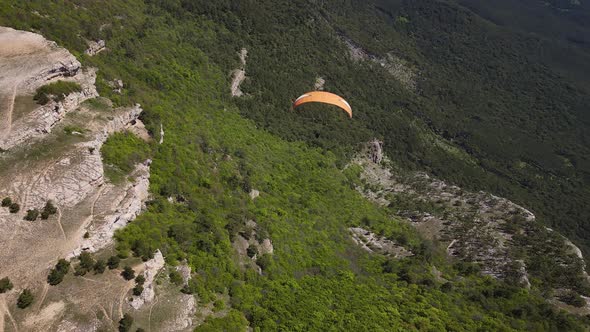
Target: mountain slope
(176, 61)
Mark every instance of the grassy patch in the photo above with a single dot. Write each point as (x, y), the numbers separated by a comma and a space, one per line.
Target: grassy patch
(121, 152)
(56, 91)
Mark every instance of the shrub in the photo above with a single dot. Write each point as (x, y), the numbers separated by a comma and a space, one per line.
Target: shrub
(218, 305)
(125, 323)
(57, 274)
(25, 299)
(175, 277)
(32, 215)
(573, 298)
(14, 208)
(140, 279)
(137, 290)
(6, 201)
(5, 285)
(49, 207)
(113, 262)
(86, 260)
(265, 261)
(48, 210)
(128, 273)
(100, 266)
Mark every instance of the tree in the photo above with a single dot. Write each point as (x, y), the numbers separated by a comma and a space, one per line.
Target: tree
(48, 210)
(125, 323)
(5, 285)
(137, 290)
(264, 261)
(25, 299)
(58, 273)
(113, 262)
(175, 277)
(86, 260)
(140, 279)
(128, 273)
(14, 208)
(100, 266)
(32, 215)
(6, 201)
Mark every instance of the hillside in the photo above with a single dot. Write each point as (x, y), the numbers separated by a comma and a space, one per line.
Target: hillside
(257, 217)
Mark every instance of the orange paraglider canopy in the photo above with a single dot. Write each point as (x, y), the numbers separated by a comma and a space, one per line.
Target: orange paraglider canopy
(323, 97)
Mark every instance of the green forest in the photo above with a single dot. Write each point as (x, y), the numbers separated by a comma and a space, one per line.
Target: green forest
(491, 111)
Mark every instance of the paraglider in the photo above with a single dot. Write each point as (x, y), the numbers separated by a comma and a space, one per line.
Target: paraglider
(323, 97)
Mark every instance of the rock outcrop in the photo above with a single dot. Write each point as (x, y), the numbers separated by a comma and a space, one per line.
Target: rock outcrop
(151, 269)
(373, 243)
(95, 47)
(500, 236)
(27, 62)
(393, 64)
(239, 75)
(319, 83)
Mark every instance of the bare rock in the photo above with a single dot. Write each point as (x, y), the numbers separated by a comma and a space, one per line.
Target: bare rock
(319, 83)
(376, 244)
(125, 207)
(183, 318)
(152, 268)
(376, 151)
(117, 85)
(391, 63)
(95, 47)
(265, 247)
(254, 194)
(185, 272)
(239, 75)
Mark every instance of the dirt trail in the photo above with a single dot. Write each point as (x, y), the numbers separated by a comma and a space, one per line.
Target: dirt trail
(44, 294)
(7, 126)
(61, 228)
(4, 311)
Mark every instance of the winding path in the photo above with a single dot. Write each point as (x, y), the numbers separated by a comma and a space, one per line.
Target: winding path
(7, 127)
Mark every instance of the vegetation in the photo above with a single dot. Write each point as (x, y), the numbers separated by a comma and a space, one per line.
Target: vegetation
(140, 279)
(175, 277)
(121, 152)
(113, 262)
(25, 299)
(100, 266)
(174, 57)
(5, 285)
(57, 274)
(14, 207)
(137, 290)
(48, 210)
(128, 273)
(32, 215)
(6, 201)
(125, 323)
(56, 91)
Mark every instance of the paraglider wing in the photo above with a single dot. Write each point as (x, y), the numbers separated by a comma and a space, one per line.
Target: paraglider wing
(323, 97)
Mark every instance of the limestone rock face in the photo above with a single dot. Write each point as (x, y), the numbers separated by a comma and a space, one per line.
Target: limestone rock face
(95, 47)
(254, 194)
(152, 268)
(28, 62)
(239, 75)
